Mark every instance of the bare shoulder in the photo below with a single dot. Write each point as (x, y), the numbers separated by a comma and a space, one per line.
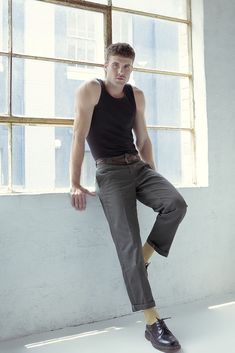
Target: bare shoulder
(89, 91)
(139, 97)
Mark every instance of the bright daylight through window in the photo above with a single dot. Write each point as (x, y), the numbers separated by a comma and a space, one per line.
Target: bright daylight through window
(48, 49)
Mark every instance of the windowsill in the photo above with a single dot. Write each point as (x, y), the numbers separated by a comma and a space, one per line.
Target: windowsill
(92, 189)
(40, 192)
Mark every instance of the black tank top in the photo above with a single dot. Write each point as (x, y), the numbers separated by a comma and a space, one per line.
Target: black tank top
(110, 132)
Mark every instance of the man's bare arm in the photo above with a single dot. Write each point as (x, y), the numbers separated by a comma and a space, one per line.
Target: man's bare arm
(86, 98)
(143, 142)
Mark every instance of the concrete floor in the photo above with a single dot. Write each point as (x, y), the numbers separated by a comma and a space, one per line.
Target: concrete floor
(198, 328)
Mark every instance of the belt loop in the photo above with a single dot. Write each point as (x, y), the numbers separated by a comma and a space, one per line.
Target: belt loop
(126, 160)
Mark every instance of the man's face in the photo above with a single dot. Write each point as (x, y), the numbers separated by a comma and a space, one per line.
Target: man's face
(118, 69)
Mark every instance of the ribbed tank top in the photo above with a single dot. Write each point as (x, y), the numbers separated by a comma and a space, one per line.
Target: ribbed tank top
(110, 132)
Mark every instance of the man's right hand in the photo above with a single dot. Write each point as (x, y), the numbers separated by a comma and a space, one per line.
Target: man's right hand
(78, 197)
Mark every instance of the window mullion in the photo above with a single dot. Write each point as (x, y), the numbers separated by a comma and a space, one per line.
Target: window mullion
(149, 14)
(10, 95)
(10, 57)
(108, 25)
(10, 158)
(191, 93)
(167, 127)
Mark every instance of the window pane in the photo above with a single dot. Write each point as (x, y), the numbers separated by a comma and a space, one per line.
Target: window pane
(173, 8)
(3, 25)
(34, 151)
(88, 168)
(3, 85)
(3, 156)
(167, 98)
(47, 89)
(173, 155)
(41, 156)
(162, 45)
(45, 29)
(18, 155)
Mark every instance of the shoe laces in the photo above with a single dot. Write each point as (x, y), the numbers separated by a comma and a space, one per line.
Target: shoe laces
(165, 318)
(164, 325)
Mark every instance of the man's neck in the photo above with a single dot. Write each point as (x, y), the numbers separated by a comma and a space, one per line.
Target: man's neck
(115, 91)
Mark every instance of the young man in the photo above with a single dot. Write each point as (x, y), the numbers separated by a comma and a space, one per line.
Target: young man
(106, 113)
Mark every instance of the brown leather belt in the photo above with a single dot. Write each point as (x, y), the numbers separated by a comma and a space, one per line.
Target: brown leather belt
(126, 158)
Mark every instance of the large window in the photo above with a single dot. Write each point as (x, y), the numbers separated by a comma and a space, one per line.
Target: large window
(48, 49)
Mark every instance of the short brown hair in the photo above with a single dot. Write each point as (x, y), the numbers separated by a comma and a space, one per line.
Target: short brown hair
(122, 49)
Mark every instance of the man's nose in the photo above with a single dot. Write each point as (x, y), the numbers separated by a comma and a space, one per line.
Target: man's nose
(121, 70)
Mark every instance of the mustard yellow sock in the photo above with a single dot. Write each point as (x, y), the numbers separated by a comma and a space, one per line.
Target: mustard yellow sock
(151, 315)
(148, 251)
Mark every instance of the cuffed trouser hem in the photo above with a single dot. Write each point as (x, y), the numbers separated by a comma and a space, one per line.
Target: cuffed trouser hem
(159, 251)
(137, 307)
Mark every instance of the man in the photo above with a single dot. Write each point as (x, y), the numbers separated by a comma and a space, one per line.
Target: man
(106, 113)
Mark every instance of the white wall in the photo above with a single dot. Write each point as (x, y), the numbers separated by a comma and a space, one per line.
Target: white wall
(59, 267)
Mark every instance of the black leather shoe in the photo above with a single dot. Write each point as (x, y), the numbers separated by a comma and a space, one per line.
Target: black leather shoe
(161, 337)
